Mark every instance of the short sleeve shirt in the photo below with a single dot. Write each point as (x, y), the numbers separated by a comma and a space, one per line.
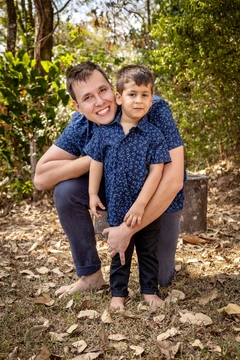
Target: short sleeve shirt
(126, 159)
(80, 130)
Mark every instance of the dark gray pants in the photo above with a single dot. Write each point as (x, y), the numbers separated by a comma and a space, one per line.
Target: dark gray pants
(72, 202)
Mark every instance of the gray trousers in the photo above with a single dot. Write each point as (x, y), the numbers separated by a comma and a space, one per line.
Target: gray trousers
(72, 204)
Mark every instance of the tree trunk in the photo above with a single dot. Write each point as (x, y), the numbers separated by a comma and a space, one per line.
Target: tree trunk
(12, 26)
(43, 32)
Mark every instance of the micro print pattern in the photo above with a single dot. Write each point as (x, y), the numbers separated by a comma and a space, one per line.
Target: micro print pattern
(126, 161)
(79, 131)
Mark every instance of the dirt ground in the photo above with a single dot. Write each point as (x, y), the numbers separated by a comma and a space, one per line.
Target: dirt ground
(35, 260)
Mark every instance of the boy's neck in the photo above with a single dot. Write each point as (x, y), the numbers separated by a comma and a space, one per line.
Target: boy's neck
(128, 123)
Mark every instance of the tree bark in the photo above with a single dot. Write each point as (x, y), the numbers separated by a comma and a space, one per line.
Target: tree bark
(11, 26)
(43, 32)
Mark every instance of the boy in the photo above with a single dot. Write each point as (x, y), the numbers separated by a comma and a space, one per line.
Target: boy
(132, 152)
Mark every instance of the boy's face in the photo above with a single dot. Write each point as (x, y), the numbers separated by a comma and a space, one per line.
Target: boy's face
(95, 99)
(135, 100)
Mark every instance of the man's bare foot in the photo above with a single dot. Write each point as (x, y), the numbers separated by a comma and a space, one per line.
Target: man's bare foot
(153, 301)
(90, 282)
(117, 303)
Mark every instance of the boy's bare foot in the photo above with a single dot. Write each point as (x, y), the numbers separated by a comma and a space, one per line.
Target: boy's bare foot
(117, 303)
(153, 301)
(90, 282)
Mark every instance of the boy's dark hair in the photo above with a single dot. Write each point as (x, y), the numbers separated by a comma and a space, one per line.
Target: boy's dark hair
(140, 74)
(82, 72)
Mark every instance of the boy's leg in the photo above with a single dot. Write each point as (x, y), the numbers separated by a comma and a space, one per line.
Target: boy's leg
(71, 201)
(119, 277)
(167, 246)
(146, 241)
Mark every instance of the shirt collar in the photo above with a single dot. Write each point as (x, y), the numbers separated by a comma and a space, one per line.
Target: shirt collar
(142, 125)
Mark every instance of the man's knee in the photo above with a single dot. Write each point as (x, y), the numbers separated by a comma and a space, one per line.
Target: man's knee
(70, 191)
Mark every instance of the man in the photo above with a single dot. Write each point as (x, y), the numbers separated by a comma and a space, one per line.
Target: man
(62, 167)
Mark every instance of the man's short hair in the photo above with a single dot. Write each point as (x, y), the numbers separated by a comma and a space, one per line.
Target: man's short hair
(82, 72)
(140, 74)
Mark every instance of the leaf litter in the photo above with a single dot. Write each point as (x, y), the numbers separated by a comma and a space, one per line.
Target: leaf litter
(200, 319)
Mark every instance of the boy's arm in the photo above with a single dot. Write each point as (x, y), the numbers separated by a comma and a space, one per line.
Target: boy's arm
(170, 184)
(57, 165)
(95, 177)
(135, 213)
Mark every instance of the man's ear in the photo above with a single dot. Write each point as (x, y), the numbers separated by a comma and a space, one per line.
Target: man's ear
(118, 99)
(77, 107)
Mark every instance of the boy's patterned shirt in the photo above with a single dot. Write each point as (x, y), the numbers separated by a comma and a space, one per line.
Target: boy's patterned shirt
(79, 131)
(126, 159)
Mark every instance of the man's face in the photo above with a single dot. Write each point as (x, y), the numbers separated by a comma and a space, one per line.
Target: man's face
(135, 100)
(95, 99)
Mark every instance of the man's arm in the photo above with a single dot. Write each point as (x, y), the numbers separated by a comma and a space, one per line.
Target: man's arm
(170, 184)
(135, 213)
(57, 165)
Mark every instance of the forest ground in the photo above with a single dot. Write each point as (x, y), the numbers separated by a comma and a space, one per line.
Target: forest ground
(201, 316)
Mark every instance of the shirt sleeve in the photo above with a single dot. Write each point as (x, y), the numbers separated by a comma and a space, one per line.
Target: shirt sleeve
(95, 146)
(160, 153)
(75, 136)
(160, 115)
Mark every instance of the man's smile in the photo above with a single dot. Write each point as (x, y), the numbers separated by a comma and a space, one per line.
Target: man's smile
(103, 111)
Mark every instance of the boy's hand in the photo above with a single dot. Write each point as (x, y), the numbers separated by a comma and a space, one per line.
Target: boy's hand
(94, 203)
(134, 215)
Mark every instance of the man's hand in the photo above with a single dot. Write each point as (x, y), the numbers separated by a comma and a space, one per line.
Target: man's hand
(118, 240)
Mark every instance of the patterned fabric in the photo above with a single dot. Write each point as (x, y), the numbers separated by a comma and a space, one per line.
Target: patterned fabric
(126, 160)
(79, 131)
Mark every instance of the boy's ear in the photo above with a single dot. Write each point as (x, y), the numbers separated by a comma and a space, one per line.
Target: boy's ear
(151, 100)
(118, 99)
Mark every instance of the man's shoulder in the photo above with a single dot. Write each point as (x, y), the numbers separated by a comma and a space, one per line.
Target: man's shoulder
(78, 118)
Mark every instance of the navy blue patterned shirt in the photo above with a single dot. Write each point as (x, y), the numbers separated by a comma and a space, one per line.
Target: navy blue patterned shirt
(79, 131)
(126, 159)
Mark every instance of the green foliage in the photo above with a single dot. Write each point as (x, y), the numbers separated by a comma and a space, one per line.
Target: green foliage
(29, 108)
(196, 59)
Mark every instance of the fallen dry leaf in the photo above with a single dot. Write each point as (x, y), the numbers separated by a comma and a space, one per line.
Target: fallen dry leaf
(120, 346)
(117, 337)
(29, 274)
(88, 356)
(174, 296)
(80, 345)
(230, 309)
(168, 348)
(42, 270)
(45, 299)
(196, 319)
(128, 314)
(210, 296)
(197, 343)
(58, 336)
(106, 317)
(91, 314)
(72, 328)
(158, 319)
(69, 304)
(138, 349)
(167, 334)
(45, 354)
(214, 348)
